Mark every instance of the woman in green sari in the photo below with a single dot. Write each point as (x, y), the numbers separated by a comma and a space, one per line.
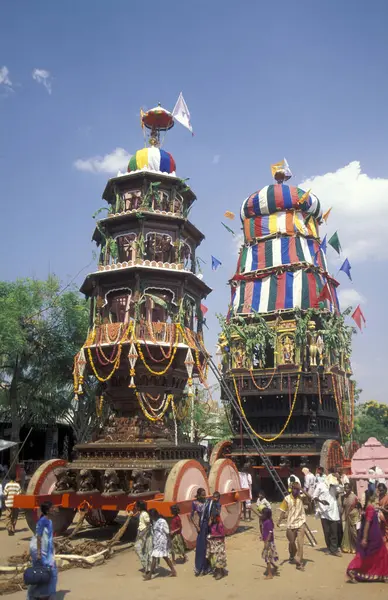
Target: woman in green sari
(351, 520)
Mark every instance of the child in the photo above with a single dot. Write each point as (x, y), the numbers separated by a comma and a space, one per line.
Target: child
(269, 555)
(178, 545)
(261, 504)
(215, 550)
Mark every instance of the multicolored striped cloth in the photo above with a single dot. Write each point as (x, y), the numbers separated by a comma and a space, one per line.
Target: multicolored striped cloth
(152, 159)
(288, 290)
(286, 222)
(279, 197)
(280, 251)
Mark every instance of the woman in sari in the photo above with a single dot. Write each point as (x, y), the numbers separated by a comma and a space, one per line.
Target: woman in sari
(383, 506)
(215, 550)
(371, 560)
(42, 553)
(200, 515)
(351, 519)
(143, 544)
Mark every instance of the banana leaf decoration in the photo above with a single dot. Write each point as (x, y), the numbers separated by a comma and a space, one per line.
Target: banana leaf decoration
(147, 200)
(140, 245)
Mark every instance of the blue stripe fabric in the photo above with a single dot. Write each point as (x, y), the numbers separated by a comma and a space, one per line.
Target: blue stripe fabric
(256, 205)
(287, 196)
(164, 161)
(256, 295)
(289, 302)
(310, 244)
(255, 257)
(285, 250)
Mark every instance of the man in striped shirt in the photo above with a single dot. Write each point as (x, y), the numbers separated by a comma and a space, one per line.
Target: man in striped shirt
(11, 490)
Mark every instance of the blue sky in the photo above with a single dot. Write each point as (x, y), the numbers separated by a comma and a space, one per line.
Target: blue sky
(305, 80)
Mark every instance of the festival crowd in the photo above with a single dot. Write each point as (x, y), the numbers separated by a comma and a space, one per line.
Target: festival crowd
(350, 525)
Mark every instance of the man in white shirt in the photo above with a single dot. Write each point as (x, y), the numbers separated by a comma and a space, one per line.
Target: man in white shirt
(11, 490)
(246, 483)
(325, 500)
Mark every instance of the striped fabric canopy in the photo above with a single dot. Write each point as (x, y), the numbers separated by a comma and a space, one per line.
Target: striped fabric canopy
(152, 159)
(279, 197)
(288, 290)
(280, 251)
(282, 222)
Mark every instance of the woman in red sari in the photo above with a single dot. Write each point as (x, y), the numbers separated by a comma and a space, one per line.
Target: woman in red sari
(383, 506)
(371, 560)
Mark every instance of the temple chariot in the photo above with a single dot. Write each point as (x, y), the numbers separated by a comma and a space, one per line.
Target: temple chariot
(145, 347)
(284, 346)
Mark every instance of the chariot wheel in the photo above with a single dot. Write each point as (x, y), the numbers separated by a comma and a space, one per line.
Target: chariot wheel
(96, 517)
(183, 481)
(219, 451)
(43, 483)
(332, 455)
(224, 477)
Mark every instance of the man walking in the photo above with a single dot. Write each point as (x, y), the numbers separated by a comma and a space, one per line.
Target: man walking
(11, 490)
(293, 507)
(327, 510)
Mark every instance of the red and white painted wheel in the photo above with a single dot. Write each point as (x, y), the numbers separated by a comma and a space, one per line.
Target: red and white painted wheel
(219, 451)
(101, 518)
(183, 482)
(223, 478)
(43, 483)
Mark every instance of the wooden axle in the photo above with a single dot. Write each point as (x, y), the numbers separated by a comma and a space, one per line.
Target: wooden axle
(120, 502)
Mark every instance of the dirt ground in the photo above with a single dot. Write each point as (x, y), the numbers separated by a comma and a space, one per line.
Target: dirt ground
(324, 577)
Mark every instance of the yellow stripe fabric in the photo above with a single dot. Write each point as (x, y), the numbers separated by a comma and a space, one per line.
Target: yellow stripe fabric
(142, 158)
(273, 223)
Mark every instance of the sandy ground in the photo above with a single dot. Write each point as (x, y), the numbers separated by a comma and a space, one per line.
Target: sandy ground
(120, 577)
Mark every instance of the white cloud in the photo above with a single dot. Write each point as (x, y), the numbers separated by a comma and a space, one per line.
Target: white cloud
(44, 77)
(350, 297)
(4, 78)
(216, 159)
(360, 209)
(110, 163)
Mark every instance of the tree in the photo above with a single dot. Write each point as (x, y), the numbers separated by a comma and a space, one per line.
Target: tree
(209, 419)
(371, 420)
(41, 329)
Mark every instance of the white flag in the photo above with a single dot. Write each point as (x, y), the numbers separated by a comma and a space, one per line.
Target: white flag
(181, 113)
(287, 170)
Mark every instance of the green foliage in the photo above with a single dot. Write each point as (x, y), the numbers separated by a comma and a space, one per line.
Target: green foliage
(371, 421)
(254, 332)
(336, 334)
(41, 329)
(209, 420)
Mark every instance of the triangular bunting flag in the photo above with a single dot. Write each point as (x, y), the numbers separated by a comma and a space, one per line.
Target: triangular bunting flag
(346, 266)
(335, 243)
(229, 215)
(325, 294)
(228, 228)
(325, 215)
(358, 318)
(304, 198)
(204, 309)
(215, 263)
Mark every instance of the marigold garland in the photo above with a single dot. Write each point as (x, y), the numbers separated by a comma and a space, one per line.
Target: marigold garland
(154, 340)
(248, 423)
(261, 389)
(164, 371)
(115, 366)
(147, 414)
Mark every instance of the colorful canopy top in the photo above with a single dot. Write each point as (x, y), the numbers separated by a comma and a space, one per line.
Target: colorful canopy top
(152, 159)
(279, 197)
(284, 222)
(277, 252)
(158, 118)
(282, 291)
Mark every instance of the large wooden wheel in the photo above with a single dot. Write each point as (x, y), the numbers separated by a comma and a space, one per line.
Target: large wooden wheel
(183, 481)
(41, 483)
(332, 455)
(224, 477)
(219, 451)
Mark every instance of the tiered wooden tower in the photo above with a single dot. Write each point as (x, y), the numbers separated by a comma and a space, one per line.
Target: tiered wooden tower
(285, 346)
